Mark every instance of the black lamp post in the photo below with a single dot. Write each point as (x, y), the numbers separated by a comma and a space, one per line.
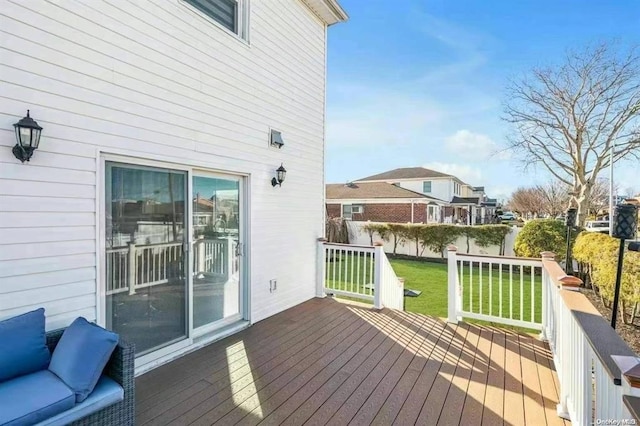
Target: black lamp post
(624, 225)
(281, 173)
(28, 136)
(570, 222)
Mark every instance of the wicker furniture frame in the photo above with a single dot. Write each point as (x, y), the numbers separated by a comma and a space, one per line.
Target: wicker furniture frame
(119, 368)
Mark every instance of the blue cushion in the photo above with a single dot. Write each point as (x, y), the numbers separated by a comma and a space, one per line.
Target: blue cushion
(81, 354)
(23, 345)
(106, 393)
(34, 397)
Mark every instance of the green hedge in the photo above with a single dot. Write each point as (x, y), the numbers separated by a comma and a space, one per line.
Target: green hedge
(540, 235)
(597, 255)
(437, 237)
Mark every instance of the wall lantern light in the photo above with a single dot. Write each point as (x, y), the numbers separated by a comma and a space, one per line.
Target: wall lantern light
(275, 139)
(281, 173)
(28, 137)
(624, 225)
(570, 222)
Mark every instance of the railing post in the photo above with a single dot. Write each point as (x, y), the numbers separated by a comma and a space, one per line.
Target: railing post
(321, 261)
(401, 285)
(452, 283)
(230, 257)
(547, 256)
(133, 269)
(200, 255)
(378, 253)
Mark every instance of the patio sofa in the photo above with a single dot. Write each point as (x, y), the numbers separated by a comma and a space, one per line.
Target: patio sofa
(42, 397)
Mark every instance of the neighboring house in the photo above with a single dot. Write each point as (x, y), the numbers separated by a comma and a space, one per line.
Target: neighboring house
(381, 202)
(421, 196)
(149, 206)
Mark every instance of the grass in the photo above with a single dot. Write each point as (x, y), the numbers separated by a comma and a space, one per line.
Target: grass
(431, 279)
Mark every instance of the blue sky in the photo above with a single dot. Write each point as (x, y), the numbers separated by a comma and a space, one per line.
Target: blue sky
(421, 83)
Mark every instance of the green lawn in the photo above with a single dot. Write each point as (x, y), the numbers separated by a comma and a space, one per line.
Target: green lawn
(431, 279)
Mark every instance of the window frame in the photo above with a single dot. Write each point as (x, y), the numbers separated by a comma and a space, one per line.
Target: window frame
(351, 212)
(430, 182)
(241, 18)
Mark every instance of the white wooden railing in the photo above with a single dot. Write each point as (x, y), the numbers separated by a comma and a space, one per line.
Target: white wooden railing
(361, 272)
(589, 357)
(501, 290)
(131, 268)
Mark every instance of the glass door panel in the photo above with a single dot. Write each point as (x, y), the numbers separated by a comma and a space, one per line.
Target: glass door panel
(216, 249)
(146, 283)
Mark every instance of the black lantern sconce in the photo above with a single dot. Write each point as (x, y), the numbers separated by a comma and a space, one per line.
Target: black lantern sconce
(624, 224)
(28, 137)
(281, 173)
(570, 223)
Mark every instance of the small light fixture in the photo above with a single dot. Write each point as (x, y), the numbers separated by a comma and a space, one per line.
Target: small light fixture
(275, 139)
(28, 136)
(624, 225)
(281, 173)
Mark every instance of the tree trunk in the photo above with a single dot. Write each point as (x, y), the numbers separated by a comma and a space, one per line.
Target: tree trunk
(583, 192)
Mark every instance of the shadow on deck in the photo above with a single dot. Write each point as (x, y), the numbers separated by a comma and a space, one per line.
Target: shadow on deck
(327, 362)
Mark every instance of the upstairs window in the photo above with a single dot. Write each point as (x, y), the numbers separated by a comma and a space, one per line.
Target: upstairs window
(456, 188)
(426, 186)
(231, 14)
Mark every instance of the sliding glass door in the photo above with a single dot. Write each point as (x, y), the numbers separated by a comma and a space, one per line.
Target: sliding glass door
(172, 255)
(217, 247)
(146, 283)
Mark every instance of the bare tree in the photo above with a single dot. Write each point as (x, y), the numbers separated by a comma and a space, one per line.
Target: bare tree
(526, 201)
(568, 117)
(555, 197)
(599, 197)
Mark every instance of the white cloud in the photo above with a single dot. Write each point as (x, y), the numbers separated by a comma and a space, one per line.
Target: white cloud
(370, 116)
(467, 174)
(474, 146)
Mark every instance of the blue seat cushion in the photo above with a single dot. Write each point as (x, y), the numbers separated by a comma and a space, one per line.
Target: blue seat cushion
(106, 393)
(23, 345)
(28, 399)
(81, 354)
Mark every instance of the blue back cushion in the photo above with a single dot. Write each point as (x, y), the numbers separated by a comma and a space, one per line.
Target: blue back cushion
(81, 354)
(23, 345)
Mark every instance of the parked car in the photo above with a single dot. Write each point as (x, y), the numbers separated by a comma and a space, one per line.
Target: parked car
(507, 216)
(601, 226)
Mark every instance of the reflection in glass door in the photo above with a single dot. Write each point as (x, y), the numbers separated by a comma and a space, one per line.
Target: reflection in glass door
(146, 284)
(216, 249)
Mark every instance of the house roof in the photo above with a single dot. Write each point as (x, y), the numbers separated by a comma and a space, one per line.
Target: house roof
(365, 190)
(329, 11)
(406, 173)
(465, 200)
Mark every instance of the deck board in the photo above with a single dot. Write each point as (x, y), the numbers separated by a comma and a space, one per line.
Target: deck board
(328, 362)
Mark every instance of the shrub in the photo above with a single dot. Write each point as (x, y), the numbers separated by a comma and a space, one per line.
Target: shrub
(413, 232)
(599, 253)
(376, 228)
(540, 235)
(337, 231)
(398, 232)
(490, 235)
(438, 237)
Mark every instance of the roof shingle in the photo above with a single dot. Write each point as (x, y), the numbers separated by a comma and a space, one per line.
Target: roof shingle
(406, 173)
(365, 190)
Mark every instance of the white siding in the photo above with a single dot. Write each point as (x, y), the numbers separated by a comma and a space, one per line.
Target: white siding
(440, 188)
(155, 80)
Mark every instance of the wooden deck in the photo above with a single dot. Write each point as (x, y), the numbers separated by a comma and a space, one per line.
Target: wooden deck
(327, 362)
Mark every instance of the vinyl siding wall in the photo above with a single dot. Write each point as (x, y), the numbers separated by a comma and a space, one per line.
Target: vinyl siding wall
(156, 80)
(441, 189)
